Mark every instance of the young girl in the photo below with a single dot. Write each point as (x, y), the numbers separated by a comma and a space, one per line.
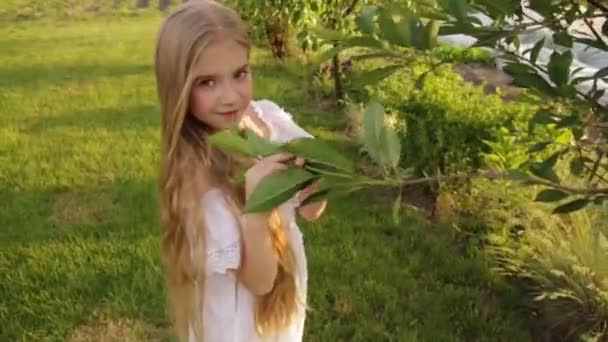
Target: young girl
(230, 276)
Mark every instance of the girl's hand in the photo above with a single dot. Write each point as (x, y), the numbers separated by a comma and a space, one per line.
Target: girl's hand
(312, 211)
(263, 168)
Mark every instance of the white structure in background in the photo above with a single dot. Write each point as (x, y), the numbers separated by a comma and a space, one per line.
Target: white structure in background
(590, 58)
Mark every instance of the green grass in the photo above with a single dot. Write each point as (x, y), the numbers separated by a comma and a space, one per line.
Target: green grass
(78, 231)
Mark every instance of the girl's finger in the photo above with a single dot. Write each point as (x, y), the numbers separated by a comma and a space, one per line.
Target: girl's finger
(300, 161)
(278, 158)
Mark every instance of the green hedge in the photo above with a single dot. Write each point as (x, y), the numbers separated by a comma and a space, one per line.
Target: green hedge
(447, 120)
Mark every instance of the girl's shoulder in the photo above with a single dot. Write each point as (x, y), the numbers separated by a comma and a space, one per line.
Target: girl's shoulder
(270, 109)
(281, 122)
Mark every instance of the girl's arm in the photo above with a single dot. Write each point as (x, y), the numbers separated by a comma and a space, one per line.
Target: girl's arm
(259, 262)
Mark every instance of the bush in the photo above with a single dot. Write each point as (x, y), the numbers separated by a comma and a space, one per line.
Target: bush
(557, 263)
(447, 121)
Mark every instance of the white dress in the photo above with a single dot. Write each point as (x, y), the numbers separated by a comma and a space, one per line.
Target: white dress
(228, 313)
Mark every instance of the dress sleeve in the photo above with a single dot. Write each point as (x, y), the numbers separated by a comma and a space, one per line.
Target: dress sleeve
(282, 121)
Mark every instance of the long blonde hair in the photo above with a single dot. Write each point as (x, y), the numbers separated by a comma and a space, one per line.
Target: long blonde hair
(189, 165)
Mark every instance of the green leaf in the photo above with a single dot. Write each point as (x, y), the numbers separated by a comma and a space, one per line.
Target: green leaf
(275, 189)
(577, 166)
(231, 141)
(489, 37)
(430, 34)
(391, 144)
(322, 169)
(315, 150)
(376, 75)
(363, 41)
(458, 9)
(365, 21)
(535, 52)
(373, 121)
(326, 55)
(542, 117)
(545, 170)
(602, 73)
(572, 206)
(562, 38)
(327, 34)
(559, 67)
(538, 146)
(395, 33)
(568, 121)
(261, 146)
(533, 81)
(551, 195)
(380, 140)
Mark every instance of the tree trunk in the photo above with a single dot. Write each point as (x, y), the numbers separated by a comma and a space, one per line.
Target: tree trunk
(277, 33)
(163, 4)
(337, 74)
(142, 3)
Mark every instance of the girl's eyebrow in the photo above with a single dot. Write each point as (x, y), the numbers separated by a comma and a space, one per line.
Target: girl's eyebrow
(199, 77)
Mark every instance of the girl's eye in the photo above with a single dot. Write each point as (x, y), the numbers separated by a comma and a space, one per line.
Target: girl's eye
(242, 74)
(206, 83)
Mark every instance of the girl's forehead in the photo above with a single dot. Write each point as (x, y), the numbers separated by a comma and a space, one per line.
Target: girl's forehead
(221, 56)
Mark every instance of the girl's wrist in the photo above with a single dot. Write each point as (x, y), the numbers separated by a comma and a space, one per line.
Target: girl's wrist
(255, 219)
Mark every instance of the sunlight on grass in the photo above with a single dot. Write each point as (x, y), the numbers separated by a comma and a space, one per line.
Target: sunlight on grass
(78, 228)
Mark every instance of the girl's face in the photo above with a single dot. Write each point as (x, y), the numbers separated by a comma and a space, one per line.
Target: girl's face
(222, 90)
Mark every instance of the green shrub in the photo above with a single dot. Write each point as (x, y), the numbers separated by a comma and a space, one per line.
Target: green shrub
(557, 263)
(447, 121)
(456, 54)
(563, 272)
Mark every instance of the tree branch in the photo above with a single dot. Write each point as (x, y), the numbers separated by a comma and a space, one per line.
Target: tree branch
(492, 175)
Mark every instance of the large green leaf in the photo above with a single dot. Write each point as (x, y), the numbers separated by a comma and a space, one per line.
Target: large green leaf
(261, 146)
(231, 141)
(365, 21)
(536, 50)
(559, 67)
(430, 34)
(562, 38)
(373, 121)
(315, 150)
(376, 75)
(275, 189)
(391, 146)
(572, 206)
(396, 33)
(363, 41)
(456, 8)
(551, 195)
(545, 169)
(381, 141)
(577, 166)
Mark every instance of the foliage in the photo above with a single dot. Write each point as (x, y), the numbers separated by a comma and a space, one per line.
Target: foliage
(78, 231)
(561, 269)
(400, 33)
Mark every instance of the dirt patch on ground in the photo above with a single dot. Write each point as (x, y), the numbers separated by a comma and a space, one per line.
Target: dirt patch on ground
(493, 79)
(72, 208)
(105, 329)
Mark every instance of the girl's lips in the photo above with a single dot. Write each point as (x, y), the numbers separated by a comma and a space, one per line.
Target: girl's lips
(232, 113)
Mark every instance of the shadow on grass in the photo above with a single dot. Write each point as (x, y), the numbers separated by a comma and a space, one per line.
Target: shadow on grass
(57, 74)
(67, 253)
(111, 118)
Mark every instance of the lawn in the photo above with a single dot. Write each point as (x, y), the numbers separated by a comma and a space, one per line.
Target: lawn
(79, 138)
